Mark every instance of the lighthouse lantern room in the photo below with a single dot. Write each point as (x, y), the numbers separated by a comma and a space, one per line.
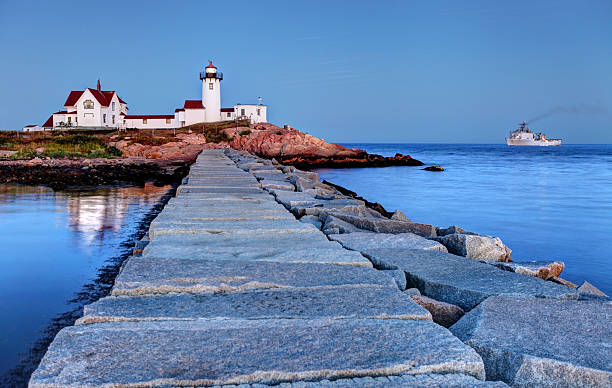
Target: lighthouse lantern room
(211, 92)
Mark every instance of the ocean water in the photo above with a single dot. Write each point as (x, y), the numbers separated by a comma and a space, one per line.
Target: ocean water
(545, 203)
(59, 251)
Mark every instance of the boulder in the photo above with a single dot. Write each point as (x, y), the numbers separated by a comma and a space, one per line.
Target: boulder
(400, 216)
(383, 225)
(301, 184)
(458, 280)
(538, 269)
(535, 342)
(452, 229)
(444, 314)
(362, 241)
(434, 168)
(588, 288)
(412, 291)
(333, 224)
(559, 280)
(476, 247)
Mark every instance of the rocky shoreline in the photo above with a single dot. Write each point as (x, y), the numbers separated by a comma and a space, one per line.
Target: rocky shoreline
(163, 156)
(82, 172)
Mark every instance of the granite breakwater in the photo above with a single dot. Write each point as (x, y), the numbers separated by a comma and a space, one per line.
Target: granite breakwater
(257, 273)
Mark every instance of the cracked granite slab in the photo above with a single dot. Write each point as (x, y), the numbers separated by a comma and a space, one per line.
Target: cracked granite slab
(530, 342)
(144, 275)
(459, 280)
(198, 353)
(333, 302)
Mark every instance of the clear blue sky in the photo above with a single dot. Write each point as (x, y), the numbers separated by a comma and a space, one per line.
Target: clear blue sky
(352, 71)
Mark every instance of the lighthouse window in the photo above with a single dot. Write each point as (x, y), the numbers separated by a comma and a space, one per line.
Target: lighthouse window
(258, 112)
(113, 106)
(104, 118)
(242, 112)
(88, 104)
(113, 117)
(210, 86)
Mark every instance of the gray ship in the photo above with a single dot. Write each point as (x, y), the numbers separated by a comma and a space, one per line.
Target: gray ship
(523, 136)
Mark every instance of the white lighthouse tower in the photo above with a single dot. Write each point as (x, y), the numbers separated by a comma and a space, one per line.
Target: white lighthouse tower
(211, 92)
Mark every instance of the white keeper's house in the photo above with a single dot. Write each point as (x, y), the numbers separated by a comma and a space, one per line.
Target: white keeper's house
(100, 109)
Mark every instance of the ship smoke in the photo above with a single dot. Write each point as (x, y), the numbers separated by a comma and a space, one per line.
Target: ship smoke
(572, 109)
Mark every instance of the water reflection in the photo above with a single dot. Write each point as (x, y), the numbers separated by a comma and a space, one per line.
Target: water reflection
(60, 250)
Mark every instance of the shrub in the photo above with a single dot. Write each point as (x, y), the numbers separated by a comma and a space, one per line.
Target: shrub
(245, 132)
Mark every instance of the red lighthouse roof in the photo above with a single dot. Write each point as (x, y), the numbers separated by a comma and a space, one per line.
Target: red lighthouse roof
(210, 65)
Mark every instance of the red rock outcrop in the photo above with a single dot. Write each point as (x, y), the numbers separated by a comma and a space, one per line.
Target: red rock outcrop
(288, 146)
(291, 146)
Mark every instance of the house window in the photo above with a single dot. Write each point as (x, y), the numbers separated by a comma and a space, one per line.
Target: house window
(88, 104)
(104, 118)
(210, 86)
(229, 114)
(168, 121)
(113, 105)
(241, 112)
(113, 117)
(144, 121)
(76, 119)
(258, 112)
(69, 120)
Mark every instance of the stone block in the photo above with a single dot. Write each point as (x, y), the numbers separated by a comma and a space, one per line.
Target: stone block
(340, 226)
(314, 220)
(383, 302)
(534, 342)
(399, 277)
(461, 281)
(589, 289)
(384, 225)
(476, 247)
(428, 380)
(152, 275)
(539, 269)
(216, 227)
(265, 351)
(444, 314)
(360, 241)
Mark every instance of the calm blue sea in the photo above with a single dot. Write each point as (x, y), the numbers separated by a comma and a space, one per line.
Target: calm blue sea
(543, 202)
(58, 251)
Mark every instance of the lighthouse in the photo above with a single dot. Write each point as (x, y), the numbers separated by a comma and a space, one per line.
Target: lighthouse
(211, 92)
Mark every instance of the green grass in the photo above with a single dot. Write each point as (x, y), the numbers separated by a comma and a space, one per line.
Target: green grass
(54, 146)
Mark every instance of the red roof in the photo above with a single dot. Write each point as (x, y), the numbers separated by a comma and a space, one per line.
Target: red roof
(73, 97)
(210, 65)
(49, 122)
(193, 104)
(149, 116)
(179, 110)
(104, 97)
(227, 109)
